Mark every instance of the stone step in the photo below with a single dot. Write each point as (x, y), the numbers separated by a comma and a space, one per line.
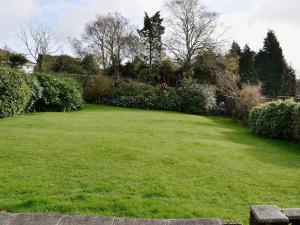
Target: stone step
(45, 219)
(268, 214)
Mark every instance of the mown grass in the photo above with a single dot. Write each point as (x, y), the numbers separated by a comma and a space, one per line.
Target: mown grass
(125, 162)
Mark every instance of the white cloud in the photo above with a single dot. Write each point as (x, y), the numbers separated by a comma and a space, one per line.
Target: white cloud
(12, 14)
(249, 20)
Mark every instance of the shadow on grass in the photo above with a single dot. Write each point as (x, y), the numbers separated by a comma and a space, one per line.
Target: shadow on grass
(267, 150)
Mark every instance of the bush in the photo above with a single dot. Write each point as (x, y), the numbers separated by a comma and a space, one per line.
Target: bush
(35, 95)
(59, 94)
(249, 97)
(197, 98)
(149, 75)
(167, 98)
(274, 119)
(134, 95)
(14, 92)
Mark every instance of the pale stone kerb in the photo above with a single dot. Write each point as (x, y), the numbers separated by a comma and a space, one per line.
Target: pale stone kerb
(292, 213)
(30, 219)
(268, 214)
(5, 218)
(44, 219)
(86, 220)
(195, 222)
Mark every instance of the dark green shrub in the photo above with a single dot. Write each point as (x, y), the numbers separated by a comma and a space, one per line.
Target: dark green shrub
(17, 59)
(14, 92)
(36, 93)
(59, 94)
(67, 64)
(274, 119)
(134, 95)
(197, 98)
(89, 64)
(167, 99)
(149, 75)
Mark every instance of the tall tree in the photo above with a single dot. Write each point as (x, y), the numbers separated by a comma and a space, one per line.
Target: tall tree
(271, 66)
(39, 38)
(289, 85)
(235, 50)
(247, 70)
(107, 37)
(152, 35)
(193, 30)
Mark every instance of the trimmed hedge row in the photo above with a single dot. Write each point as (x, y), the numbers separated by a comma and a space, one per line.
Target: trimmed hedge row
(277, 119)
(40, 92)
(190, 97)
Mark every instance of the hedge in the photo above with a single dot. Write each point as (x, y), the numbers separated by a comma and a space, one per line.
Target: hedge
(59, 94)
(20, 93)
(277, 119)
(190, 97)
(14, 92)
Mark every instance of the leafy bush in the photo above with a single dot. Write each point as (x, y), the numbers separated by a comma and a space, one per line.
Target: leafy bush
(197, 98)
(67, 64)
(134, 95)
(36, 93)
(59, 94)
(190, 97)
(14, 92)
(167, 98)
(149, 75)
(274, 119)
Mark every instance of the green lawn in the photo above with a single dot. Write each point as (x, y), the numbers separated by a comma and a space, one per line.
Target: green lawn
(125, 162)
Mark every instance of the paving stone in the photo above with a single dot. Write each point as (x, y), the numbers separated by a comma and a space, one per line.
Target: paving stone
(293, 214)
(128, 221)
(5, 217)
(43, 219)
(195, 222)
(86, 220)
(269, 214)
(34, 219)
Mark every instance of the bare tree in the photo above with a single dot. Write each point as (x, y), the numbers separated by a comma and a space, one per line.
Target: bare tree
(39, 38)
(78, 48)
(107, 37)
(193, 30)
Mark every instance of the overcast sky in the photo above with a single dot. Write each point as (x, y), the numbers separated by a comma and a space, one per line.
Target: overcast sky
(248, 20)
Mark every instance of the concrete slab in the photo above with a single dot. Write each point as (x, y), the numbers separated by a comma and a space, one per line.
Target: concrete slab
(128, 221)
(196, 222)
(293, 213)
(34, 219)
(269, 214)
(5, 218)
(86, 220)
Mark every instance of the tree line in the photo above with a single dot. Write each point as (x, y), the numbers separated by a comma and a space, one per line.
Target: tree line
(165, 50)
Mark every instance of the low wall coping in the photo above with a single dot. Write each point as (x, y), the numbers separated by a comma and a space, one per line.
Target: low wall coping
(46, 219)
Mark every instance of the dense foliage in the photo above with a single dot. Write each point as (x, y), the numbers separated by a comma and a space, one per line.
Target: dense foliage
(189, 97)
(197, 98)
(36, 93)
(59, 94)
(275, 119)
(65, 64)
(14, 92)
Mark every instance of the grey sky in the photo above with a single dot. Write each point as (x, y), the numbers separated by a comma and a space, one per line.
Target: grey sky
(248, 20)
